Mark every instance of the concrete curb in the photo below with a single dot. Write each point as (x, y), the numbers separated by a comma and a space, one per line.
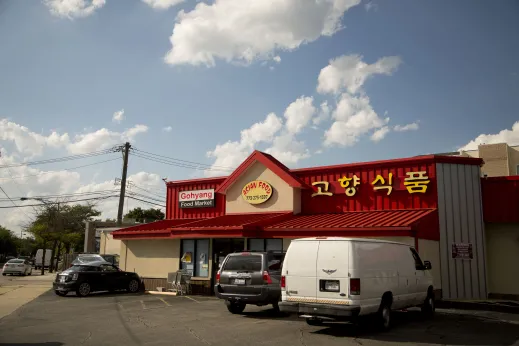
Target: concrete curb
(511, 308)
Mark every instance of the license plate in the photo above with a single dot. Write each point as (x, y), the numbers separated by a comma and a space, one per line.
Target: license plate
(239, 281)
(62, 279)
(331, 286)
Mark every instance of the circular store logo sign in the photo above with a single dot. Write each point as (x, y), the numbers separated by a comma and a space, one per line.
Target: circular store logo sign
(256, 192)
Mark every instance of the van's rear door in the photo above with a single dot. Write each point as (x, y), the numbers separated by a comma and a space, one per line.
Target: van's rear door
(299, 269)
(333, 262)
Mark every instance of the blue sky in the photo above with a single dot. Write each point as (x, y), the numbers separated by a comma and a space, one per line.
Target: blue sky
(455, 77)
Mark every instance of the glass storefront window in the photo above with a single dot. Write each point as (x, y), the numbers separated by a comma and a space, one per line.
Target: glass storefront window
(265, 244)
(202, 258)
(187, 259)
(195, 257)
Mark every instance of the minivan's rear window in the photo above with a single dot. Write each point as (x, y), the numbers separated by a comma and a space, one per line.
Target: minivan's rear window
(248, 263)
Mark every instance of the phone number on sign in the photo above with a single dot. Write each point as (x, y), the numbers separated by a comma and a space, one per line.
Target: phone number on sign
(255, 198)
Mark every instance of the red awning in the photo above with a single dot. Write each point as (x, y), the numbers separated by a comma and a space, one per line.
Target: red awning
(232, 225)
(392, 222)
(157, 229)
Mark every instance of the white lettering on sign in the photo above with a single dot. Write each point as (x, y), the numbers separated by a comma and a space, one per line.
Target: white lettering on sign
(187, 196)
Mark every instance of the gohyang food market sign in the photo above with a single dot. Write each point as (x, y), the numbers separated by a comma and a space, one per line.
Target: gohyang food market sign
(196, 199)
(256, 192)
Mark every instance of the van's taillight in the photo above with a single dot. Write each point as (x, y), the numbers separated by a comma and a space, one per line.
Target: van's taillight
(354, 287)
(218, 278)
(283, 282)
(266, 277)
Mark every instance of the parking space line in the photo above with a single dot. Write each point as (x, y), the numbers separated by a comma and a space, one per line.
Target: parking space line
(143, 305)
(165, 302)
(188, 297)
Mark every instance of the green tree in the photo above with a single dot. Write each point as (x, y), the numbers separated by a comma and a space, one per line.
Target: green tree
(61, 227)
(7, 243)
(145, 215)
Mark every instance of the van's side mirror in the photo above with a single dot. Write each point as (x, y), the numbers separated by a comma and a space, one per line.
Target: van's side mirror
(427, 265)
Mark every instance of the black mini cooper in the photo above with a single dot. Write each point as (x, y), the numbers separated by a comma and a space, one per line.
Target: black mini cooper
(95, 276)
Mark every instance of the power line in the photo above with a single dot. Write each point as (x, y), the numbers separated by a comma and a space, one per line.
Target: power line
(67, 195)
(61, 202)
(151, 193)
(64, 169)
(144, 196)
(62, 159)
(167, 162)
(179, 160)
(137, 199)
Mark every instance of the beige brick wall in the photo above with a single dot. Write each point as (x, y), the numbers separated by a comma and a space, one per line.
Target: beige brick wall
(496, 159)
(513, 159)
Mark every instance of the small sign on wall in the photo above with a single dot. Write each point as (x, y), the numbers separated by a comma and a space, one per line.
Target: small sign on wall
(462, 251)
(196, 199)
(257, 192)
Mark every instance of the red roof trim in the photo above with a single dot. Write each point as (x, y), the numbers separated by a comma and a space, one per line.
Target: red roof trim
(233, 222)
(375, 220)
(268, 161)
(392, 162)
(161, 227)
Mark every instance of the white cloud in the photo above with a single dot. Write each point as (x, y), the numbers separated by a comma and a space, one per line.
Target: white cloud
(118, 116)
(299, 114)
(511, 137)
(287, 149)
(370, 6)
(409, 127)
(353, 117)
(349, 73)
(379, 134)
(162, 4)
(248, 30)
(277, 59)
(29, 143)
(35, 182)
(232, 153)
(167, 129)
(324, 114)
(103, 139)
(73, 8)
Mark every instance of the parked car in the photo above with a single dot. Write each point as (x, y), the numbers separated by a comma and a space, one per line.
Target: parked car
(17, 266)
(250, 278)
(95, 276)
(327, 278)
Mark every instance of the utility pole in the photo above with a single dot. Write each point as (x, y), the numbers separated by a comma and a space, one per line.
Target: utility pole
(126, 151)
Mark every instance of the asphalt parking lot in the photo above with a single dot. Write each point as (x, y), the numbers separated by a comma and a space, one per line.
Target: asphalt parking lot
(126, 319)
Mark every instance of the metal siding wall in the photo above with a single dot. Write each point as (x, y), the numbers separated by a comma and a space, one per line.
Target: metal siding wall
(173, 211)
(461, 221)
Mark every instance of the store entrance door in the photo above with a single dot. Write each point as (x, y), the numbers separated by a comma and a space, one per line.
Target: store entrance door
(221, 248)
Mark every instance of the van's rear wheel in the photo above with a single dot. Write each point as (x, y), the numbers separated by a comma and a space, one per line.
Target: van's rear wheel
(429, 306)
(234, 307)
(384, 316)
(314, 322)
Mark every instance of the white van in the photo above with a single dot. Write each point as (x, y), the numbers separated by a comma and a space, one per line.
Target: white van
(39, 258)
(329, 278)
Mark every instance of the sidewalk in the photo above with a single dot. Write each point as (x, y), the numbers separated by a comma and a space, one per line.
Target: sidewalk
(15, 296)
(504, 306)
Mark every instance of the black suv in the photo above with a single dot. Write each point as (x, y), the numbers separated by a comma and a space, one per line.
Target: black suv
(90, 277)
(250, 278)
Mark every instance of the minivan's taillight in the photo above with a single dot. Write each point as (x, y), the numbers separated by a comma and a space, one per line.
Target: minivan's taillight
(354, 287)
(266, 277)
(283, 282)
(217, 278)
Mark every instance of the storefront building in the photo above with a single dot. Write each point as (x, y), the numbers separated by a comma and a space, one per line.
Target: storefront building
(432, 202)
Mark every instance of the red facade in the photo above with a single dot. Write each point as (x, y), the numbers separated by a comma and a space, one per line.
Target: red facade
(500, 199)
(364, 199)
